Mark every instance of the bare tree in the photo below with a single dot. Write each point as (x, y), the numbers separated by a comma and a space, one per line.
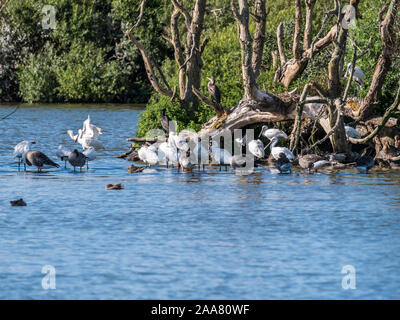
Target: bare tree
(385, 60)
(260, 106)
(187, 55)
(292, 69)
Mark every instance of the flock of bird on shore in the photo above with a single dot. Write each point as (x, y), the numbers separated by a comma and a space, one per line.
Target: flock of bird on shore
(186, 151)
(178, 149)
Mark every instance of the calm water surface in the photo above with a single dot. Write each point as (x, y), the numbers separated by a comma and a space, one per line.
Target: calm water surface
(195, 235)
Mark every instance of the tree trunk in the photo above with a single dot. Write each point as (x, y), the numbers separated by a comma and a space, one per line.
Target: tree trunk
(385, 59)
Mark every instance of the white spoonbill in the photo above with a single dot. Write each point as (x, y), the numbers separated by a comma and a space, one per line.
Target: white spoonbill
(352, 133)
(220, 156)
(148, 156)
(87, 136)
(272, 133)
(256, 148)
(358, 76)
(276, 151)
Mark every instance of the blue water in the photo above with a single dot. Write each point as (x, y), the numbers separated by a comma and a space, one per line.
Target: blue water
(207, 235)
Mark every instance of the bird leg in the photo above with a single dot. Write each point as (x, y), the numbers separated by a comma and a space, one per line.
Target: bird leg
(19, 164)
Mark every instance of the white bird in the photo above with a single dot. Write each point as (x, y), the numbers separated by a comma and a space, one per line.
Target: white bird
(179, 141)
(87, 136)
(256, 148)
(20, 149)
(185, 161)
(161, 153)
(84, 140)
(220, 156)
(148, 156)
(352, 133)
(272, 133)
(90, 154)
(63, 154)
(276, 151)
(170, 152)
(200, 152)
(358, 76)
(241, 141)
(90, 130)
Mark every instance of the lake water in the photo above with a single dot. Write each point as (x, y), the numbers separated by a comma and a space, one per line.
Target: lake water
(172, 235)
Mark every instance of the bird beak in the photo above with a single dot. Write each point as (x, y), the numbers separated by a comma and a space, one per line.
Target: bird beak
(268, 145)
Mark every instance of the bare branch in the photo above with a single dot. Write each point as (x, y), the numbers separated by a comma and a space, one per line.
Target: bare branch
(385, 59)
(297, 32)
(149, 69)
(203, 44)
(294, 140)
(308, 26)
(10, 114)
(191, 53)
(140, 17)
(279, 37)
(188, 19)
(259, 36)
(218, 109)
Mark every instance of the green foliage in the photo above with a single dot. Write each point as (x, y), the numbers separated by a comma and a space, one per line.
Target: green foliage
(95, 61)
(38, 81)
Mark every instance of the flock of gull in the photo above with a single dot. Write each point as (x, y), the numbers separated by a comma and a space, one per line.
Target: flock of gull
(87, 137)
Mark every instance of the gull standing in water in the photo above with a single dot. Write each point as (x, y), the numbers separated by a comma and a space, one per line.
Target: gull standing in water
(39, 160)
(20, 149)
